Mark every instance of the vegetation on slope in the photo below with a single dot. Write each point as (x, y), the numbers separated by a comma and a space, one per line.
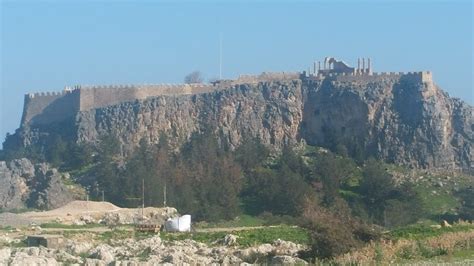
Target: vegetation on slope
(344, 203)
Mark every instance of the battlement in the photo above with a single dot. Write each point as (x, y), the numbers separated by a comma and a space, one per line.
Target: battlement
(415, 77)
(268, 76)
(46, 107)
(46, 94)
(343, 72)
(101, 96)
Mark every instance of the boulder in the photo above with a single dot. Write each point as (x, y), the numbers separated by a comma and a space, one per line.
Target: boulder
(77, 248)
(230, 240)
(87, 219)
(95, 262)
(287, 260)
(286, 247)
(5, 254)
(103, 252)
(445, 223)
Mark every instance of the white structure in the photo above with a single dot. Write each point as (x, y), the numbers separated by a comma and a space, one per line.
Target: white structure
(179, 224)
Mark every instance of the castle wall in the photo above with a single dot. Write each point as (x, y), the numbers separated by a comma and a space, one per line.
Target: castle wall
(102, 96)
(413, 77)
(46, 107)
(268, 76)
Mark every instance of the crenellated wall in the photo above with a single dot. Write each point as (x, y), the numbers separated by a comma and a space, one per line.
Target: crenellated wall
(416, 77)
(268, 76)
(101, 96)
(46, 107)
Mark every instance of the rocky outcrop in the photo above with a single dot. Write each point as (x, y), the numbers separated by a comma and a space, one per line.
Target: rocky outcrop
(23, 185)
(396, 119)
(270, 110)
(155, 251)
(402, 122)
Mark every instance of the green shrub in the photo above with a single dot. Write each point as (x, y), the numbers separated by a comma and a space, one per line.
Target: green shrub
(333, 234)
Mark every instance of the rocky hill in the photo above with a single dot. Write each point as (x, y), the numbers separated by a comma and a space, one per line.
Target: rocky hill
(394, 117)
(24, 185)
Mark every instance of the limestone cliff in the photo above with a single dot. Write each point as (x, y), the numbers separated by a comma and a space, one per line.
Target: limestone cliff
(395, 118)
(23, 184)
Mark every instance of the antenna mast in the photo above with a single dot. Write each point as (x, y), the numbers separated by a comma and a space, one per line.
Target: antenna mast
(220, 56)
(143, 195)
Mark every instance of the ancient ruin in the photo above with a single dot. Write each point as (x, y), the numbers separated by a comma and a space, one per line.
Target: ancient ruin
(401, 117)
(47, 107)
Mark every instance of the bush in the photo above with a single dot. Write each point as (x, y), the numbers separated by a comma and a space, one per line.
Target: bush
(333, 234)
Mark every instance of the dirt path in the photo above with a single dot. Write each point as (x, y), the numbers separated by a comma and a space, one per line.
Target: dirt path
(129, 228)
(230, 229)
(93, 229)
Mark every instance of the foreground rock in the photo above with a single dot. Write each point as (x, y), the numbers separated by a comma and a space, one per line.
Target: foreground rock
(152, 251)
(24, 185)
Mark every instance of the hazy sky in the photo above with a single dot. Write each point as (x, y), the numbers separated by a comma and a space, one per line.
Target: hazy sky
(48, 45)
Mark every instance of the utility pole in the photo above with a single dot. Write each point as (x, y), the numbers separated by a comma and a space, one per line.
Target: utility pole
(87, 200)
(143, 195)
(103, 198)
(164, 196)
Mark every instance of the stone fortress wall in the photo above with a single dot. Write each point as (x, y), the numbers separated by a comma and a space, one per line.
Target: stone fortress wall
(415, 77)
(268, 76)
(101, 96)
(47, 107)
(44, 107)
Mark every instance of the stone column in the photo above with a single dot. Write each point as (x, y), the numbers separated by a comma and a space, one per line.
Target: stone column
(369, 68)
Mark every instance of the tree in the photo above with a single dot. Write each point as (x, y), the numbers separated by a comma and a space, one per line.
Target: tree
(280, 189)
(376, 187)
(467, 208)
(78, 155)
(250, 154)
(388, 204)
(207, 179)
(107, 173)
(194, 77)
(56, 149)
(332, 171)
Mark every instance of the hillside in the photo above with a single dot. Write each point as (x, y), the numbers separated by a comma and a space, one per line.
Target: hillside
(399, 118)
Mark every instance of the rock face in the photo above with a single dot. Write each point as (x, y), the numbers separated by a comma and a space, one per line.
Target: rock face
(393, 117)
(23, 184)
(415, 124)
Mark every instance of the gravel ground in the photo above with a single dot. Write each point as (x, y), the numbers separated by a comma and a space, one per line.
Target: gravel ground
(14, 220)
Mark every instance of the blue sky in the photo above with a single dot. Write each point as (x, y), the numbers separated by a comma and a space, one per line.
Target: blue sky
(48, 45)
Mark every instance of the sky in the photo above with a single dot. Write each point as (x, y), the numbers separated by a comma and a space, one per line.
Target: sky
(47, 45)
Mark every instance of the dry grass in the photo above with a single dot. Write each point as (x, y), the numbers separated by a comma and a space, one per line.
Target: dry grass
(391, 251)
